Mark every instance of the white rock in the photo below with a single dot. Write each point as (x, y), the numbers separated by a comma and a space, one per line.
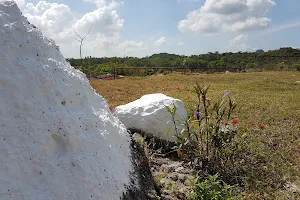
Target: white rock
(149, 115)
(58, 139)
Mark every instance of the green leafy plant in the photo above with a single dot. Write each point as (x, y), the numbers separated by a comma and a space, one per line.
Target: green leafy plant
(211, 139)
(172, 111)
(213, 188)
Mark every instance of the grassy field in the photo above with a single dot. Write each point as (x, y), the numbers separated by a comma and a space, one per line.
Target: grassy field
(269, 98)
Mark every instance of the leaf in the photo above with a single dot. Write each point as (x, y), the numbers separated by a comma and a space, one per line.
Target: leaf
(174, 109)
(186, 142)
(168, 109)
(168, 131)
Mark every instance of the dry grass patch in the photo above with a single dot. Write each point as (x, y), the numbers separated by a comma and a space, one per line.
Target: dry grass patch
(269, 98)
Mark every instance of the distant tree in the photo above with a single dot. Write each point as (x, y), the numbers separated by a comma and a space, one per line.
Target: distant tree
(244, 60)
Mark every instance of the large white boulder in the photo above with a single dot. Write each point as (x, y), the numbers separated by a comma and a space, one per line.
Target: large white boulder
(149, 115)
(58, 138)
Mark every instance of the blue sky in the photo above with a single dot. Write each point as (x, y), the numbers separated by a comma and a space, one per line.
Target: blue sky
(143, 27)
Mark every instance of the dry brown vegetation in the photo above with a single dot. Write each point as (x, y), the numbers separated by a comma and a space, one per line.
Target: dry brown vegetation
(269, 98)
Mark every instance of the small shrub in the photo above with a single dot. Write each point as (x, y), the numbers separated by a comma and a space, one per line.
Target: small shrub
(213, 141)
(213, 188)
(211, 138)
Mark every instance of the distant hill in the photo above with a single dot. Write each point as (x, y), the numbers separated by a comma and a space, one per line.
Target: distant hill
(285, 52)
(259, 51)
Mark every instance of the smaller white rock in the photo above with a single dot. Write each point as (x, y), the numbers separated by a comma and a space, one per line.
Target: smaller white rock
(149, 115)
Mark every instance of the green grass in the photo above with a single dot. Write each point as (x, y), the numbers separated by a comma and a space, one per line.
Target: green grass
(269, 98)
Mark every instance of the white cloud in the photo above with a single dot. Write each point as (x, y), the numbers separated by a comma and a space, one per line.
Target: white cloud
(251, 23)
(51, 18)
(99, 3)
(284, 27)
(197, 22)
(180, 43)
(239, 43)
(234, 15)
(131, 44)
(58, 22)
(102, 20)
(105, 42)
(259, 7)
(224, 7)
(160, 41)
(238, 39)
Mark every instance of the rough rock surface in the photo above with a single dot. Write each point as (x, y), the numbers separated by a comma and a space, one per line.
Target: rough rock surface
(149, 115)
(143, 186)
(174, 178)
(58, 139)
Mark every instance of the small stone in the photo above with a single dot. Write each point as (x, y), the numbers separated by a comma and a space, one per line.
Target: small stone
(164, 180)
(174, 166)
(182, 177)
(174, 177)
(167, 168)
(138, 138)
(166, 197)
(189, 180)
(179, 169)
(184, 170)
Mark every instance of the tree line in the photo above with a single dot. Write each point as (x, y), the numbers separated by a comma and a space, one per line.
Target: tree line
(281, 59)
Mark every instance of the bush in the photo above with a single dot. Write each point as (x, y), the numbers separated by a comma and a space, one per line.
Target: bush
(251, 66)
(214, 143)
(213, 138)
(297, 66)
